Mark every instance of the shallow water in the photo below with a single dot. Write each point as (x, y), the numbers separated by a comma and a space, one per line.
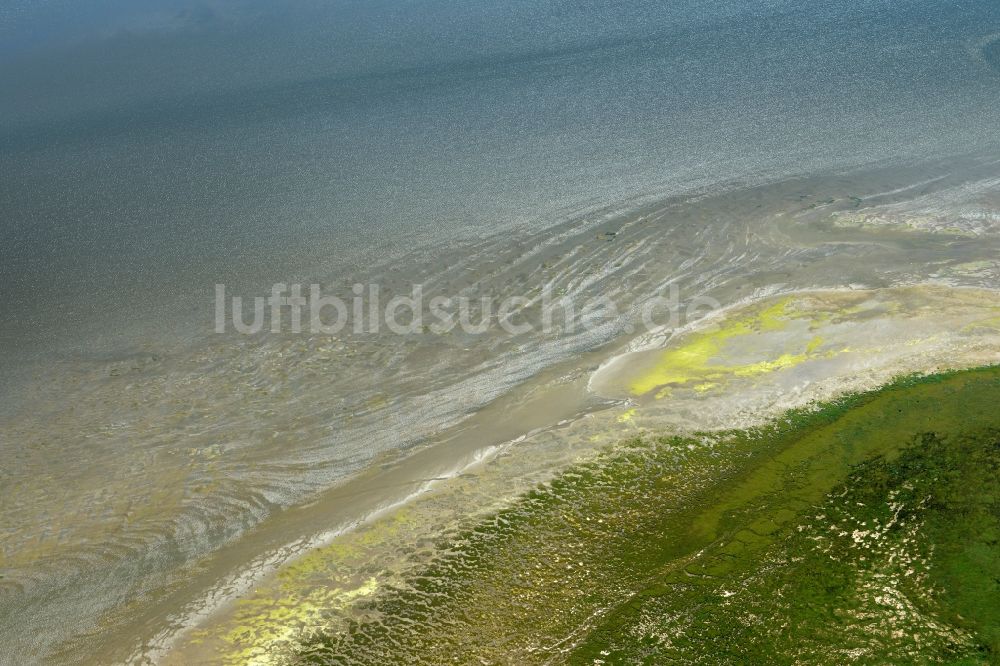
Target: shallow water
(319, 140)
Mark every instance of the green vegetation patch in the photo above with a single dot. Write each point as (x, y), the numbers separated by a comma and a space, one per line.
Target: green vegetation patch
(863, 530)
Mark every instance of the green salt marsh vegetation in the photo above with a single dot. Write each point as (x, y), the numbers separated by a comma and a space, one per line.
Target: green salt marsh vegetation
(862, 530)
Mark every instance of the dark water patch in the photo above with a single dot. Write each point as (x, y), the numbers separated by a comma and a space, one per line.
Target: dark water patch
(991, 53)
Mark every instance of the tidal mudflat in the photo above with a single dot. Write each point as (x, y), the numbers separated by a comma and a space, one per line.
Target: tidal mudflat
(277, 485)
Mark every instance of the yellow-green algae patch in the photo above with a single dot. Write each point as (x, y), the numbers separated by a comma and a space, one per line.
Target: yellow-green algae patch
(626, 416)
(697, 359)
(985, 324)
(786, 343)
(298, 600)
(282, 621)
